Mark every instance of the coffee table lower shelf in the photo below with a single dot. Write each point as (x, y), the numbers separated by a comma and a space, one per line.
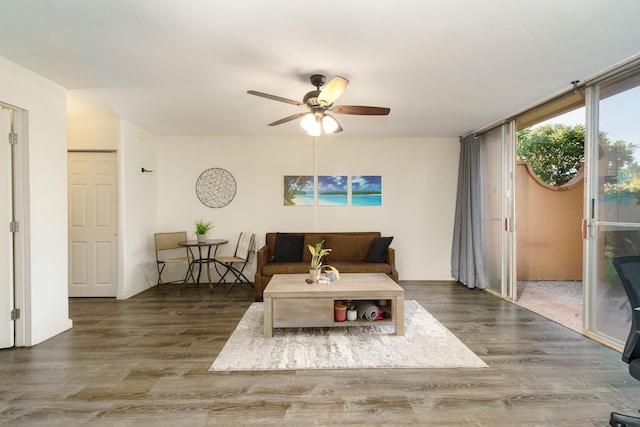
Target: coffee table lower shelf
(291, 303)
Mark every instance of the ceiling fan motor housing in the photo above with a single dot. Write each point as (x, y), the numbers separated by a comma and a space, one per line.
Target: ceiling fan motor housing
(311, 98)
(317, 80)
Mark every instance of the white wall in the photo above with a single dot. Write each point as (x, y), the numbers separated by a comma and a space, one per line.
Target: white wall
(46, 307)
(419, 178)
(91, 122)
(137, 215)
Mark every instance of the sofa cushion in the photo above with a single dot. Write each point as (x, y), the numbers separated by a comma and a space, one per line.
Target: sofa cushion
(288, 247)
(343, 267)
(347, 248)
(362, 267)
(285, 268)
(378, 249)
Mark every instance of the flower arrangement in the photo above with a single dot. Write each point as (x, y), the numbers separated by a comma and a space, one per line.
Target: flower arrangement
(317, 253)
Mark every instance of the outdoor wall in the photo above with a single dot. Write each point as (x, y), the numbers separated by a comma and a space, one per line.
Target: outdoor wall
(548, 228)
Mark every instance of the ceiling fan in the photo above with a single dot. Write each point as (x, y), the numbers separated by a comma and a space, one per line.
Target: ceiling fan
(319, 103)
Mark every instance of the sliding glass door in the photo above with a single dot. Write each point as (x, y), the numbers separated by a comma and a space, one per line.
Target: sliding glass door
(614, 202)
(607, 200)
(497, 207)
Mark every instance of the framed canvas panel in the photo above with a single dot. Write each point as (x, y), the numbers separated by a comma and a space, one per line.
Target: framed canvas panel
(298, 190)
(366, 190)
(333, 190)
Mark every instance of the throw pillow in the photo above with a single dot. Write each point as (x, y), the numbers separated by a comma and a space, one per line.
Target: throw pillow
(378, 249)
(288, 247)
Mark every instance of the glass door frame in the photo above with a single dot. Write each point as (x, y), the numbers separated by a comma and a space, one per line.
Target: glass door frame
(509, 233)
(589, 235)
(498, 205)
(594, 222)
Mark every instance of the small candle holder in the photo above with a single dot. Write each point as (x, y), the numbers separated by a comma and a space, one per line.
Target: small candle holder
(340, 312)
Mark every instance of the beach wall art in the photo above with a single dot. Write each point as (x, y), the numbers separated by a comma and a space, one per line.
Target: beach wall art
(332, 190)
(366, 190)
(298, 190)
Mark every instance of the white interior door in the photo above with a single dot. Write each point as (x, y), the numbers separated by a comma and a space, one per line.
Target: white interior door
(7, 326)
(92, 224)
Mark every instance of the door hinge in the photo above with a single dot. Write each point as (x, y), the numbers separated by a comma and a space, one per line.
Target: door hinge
(13, 138)
(15, 314)
(14, 226)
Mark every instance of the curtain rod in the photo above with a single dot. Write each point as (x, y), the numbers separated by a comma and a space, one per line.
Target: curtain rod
(73, 150)
(577, 85)
(575, 88)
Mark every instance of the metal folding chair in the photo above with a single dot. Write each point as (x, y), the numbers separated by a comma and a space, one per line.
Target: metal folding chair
(236, 263)
(169, 252)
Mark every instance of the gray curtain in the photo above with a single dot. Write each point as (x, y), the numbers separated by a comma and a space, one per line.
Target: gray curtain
(467, 266)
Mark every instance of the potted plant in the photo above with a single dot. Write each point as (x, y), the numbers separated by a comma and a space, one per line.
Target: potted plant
(202, 228)
(317, 253)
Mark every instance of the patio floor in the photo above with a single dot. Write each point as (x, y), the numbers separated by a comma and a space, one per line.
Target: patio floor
(562, 302)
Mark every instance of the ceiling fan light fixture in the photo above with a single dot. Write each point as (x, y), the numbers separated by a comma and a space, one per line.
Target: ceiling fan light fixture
(329, 124)
(315, 129)
(308, 122)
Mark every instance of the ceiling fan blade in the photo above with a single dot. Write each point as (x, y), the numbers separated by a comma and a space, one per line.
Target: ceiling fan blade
(332, 90)
(276, 98)
(361, 110)
(287, 119)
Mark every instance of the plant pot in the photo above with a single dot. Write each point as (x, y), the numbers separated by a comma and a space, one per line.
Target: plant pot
(314, 274)
(201, 238)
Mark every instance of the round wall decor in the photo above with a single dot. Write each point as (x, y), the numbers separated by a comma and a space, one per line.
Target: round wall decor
(216, 187)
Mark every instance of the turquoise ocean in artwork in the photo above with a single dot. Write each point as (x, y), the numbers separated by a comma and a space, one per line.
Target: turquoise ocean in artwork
(332, 199)
(339, 200)
(366, 200)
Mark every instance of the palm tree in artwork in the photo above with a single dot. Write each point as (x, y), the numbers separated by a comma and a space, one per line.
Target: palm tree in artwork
(294, 185)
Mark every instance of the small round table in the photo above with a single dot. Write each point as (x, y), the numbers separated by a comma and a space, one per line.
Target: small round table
(204, 255)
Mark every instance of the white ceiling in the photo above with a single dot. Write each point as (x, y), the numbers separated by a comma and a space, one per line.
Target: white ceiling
(444, 67)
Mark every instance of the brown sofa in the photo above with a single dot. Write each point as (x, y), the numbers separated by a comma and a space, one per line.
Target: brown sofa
(351, 252)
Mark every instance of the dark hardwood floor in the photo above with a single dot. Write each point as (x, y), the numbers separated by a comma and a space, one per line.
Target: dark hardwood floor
(144, 361)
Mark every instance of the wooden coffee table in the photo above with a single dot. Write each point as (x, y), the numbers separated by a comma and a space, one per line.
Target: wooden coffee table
(289, 302)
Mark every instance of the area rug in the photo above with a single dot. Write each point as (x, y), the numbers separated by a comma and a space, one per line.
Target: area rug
(426, 344)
